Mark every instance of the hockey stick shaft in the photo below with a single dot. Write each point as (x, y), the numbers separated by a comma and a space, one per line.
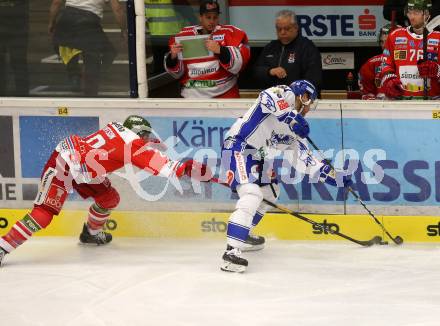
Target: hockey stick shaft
(367, 243)
(393, 20)
(396, 240)
(433, 23)
(425, 57)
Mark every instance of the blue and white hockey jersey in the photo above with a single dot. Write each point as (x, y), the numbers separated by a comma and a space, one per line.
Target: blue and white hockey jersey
(263, 128)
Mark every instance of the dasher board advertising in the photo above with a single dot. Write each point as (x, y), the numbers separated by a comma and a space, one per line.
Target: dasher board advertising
(319, 20)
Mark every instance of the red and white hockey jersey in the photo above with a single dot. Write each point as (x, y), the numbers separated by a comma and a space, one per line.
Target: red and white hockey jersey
(370, 77)
(109, 149)
(209, 77)
(402, 51)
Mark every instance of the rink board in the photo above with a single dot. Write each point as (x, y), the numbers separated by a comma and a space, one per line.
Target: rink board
(374, 133)
(193, 225)
(407, 132)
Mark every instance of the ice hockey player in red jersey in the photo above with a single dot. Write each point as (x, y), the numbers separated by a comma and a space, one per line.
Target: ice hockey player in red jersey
(370, 72)
(404, 65)
(82, 164)
(216, 75)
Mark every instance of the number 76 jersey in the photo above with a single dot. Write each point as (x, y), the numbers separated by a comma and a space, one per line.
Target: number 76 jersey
(403, 49)
(109, 149)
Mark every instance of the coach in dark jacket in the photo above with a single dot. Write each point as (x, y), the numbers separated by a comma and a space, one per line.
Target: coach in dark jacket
(290, 57)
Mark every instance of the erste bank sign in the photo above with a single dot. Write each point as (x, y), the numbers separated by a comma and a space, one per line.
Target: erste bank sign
(320, 20)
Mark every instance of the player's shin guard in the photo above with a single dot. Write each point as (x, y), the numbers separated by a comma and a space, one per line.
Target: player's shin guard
(239, 225)
(254, 242)
(240, 220)
(24, 229)
(256, 219)
(238, 229)
(97, 218)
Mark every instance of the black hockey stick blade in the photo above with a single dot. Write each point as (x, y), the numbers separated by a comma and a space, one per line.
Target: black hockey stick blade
(375, 240)
(398, 240)
(365, 243)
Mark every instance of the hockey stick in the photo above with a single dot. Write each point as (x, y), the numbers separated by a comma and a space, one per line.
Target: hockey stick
(398, 239)
(368, 243)
(425, 57)
(393, 20)
(433, 23)
(428, 28)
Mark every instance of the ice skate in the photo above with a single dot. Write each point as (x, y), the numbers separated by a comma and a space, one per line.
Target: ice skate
(101, 238)
(232, 262)
(2, 255)
(253, 243)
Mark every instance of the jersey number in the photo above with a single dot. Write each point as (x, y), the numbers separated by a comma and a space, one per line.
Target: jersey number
(415, 55)
(96, 141)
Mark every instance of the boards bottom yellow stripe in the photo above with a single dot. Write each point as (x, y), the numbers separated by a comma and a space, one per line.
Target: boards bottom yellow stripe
(212, 225)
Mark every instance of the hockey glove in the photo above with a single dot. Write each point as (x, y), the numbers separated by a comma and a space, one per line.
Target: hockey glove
(195, 170)
(392, 86)
(428, 69)
(297, 124)
(334, 177)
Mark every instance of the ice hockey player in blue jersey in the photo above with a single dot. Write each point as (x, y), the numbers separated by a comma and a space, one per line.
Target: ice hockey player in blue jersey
(274, 124)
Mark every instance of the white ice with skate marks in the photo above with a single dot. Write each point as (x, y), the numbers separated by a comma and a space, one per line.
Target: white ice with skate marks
(55, 281)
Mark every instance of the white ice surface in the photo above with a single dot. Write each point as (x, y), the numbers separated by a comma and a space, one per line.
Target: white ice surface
(55, 281)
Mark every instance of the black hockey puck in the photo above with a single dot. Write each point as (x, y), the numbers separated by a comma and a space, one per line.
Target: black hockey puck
(384, 243)
(398, 240)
